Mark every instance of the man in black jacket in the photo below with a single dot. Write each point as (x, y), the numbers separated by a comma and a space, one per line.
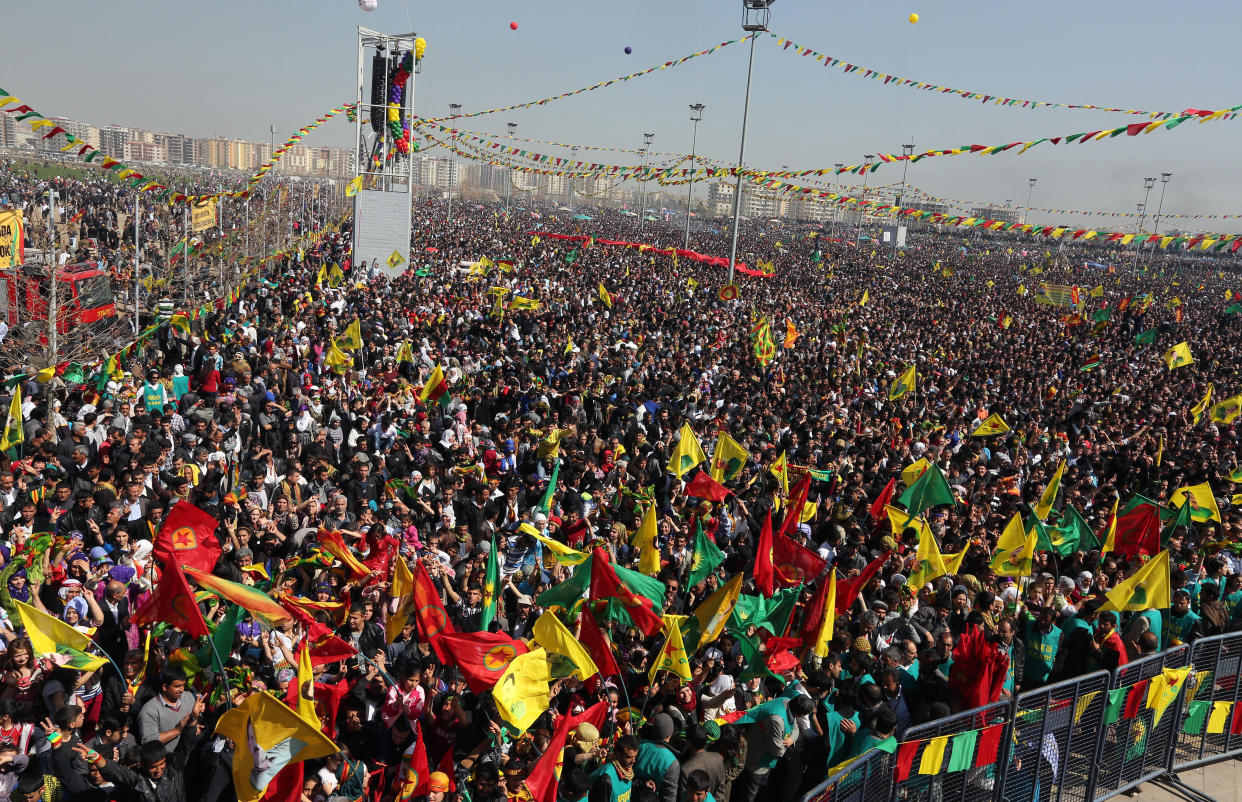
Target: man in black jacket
(160, 777)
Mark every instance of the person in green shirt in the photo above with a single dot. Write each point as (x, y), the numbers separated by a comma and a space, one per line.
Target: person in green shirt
(1184, 625)
(880, 735)
(618, 772)
(1040, 639)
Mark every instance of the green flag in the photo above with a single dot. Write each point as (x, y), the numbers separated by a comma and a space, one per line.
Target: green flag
(545, 505)
(707, 557)
(222, 637)
(927, 491)
(1235, 309)
(1145, 337)
(1073, 534)
(491, 585)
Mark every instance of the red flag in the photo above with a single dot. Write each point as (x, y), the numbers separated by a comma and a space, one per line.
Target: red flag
(328, 702)
(606, 585)
(448, 769)
(1138, 531)
(979, 668)
(886, 497)
(190, 535)
(848, 589)
(797, 500)
(795, 563)
(429, 611)
(415, 771)
(542, 780)
(705, 487)
(286, 786)
(481, 656)
(765, 568)
(327, 648)
(815, 612)
(593, 638)
(173, 603)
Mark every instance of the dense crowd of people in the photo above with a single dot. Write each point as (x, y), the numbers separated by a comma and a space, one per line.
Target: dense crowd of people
(556, 433)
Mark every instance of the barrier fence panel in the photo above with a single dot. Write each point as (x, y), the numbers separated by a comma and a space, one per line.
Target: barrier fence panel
(1211, 704)
(1135, 747)
(1056, 731)
(977, 767)
(868, 778)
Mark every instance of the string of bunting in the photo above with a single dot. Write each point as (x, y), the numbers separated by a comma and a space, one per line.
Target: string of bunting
(532, 103)
(483, 136)
(1215, 242)
(966, 204)
(38, 122)
(849, 68)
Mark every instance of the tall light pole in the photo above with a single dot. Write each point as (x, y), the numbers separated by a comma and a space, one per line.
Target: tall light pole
(1148, 183)
(509, 184)
(642, 189)
(696, 116)
(1030, 184)
(453, 109)
(755, 17)
(862, 210)
(836, 213)
(907, 151)
(1164, 181)
(573, 161)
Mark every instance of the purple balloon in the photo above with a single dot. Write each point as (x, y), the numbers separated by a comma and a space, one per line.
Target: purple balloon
(628, 50)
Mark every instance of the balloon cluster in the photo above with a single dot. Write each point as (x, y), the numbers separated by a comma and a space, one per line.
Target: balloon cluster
(398, 129)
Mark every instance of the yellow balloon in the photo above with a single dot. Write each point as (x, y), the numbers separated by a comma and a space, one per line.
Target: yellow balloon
(914, 18)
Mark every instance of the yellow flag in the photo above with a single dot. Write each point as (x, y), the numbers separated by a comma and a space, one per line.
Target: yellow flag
(1163, 689)
(1014, 549)
(1178, 356)
(687, 454)
(728, 459)
(1050, 494)
(352, 188)
(780, 469)
(713, 613)
(269, 736)
(672, 656)
(1146, 589)
(435, 384)
(604, 296)
(791, 334)
(929, 563)
(1110, 537)
(911, 473)
(563, 554)
(335, 276)
(644, 540)
(351, 338)
(395, 260)
(405, 353)
(904, 384)
(866, 296)
(13, 431)
(322, 276)
(521, 695)
(994, 424)
(1227, 410)
(48, 634)
(553, 636)
(823, 638)
(900, 520)
(953, 562)
(1098, 292)
(1202, 503)
(569, 346)
(1198, 409)
(306, 687)
(337, 359)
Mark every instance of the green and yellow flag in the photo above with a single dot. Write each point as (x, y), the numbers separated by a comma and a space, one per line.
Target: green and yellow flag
(351, 338)
(1147, 589)
(672, 656)
(1178, 356)
(728, 459)
(13, 431)
(604, 296)
(1198, 409)
(1227, 410)
(687, 453)
(994, 424)
(904, 384)
(1049, 496)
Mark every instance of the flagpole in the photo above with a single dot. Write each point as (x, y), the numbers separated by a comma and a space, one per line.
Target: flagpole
(228, 698)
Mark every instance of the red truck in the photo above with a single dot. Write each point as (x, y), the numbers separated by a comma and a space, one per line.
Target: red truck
(83, 295)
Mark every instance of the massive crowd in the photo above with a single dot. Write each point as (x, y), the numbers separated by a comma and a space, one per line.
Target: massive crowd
(249, 417)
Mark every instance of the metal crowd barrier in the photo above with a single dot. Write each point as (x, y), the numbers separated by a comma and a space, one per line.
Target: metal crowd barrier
(976, 784)
(1218, 663)
(1132, 750)
(1062, 743)
(868, 778)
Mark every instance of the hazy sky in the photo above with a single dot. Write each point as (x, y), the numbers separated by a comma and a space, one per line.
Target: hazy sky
(233, 67)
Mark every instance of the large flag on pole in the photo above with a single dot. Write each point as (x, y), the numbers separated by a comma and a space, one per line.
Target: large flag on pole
(188, 538)
(268, 736)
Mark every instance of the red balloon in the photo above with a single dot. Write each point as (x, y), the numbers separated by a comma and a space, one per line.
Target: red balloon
(513, 26)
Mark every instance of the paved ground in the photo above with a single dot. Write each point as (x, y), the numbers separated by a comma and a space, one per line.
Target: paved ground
(1221, 781)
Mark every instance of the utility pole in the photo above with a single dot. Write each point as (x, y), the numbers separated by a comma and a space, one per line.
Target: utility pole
(862, 210)
(509, 184)
(1164, 182)
(1029, 191)
(1148, 183)
(573, 161)
(642, 187)
(696, 116)
(52, 312)
(137, 262)
(907, 151)
(453, 109)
